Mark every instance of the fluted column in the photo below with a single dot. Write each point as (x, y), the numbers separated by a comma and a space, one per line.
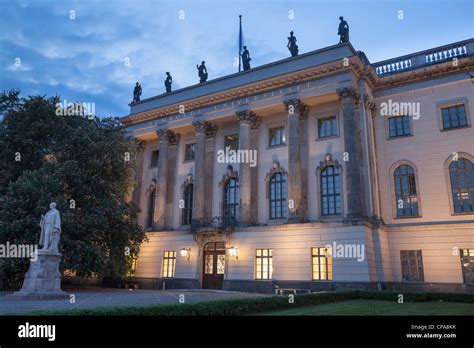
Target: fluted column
(350, 99)
(165, 137)
(247, 121)
(295, 109)
(202, 128)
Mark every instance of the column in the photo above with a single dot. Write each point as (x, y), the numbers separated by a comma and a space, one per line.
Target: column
(165, 136)
(202, 129)
(247, 120)
(350, 99)
(172, 162)
(295, 109)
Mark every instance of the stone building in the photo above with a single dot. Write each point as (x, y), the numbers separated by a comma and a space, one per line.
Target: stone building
(321, 171)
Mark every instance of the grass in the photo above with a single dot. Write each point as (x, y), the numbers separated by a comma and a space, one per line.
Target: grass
(377, 307)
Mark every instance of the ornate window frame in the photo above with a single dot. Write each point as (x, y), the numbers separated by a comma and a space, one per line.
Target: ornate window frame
(447, 163)
(229, 174)
(393, 200)
(189, 181)
(151, 190)
(329, 162)
(276, 168)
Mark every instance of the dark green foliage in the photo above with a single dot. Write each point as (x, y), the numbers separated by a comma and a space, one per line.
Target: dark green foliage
(81, 165)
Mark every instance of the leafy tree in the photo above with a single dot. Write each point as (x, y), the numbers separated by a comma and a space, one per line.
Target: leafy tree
(86, 167)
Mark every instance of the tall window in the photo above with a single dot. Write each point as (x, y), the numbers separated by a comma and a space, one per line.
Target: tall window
(399, 126)
(454, 116)
(189, 150)
(263, 264)
(330, 191)
(151, 208)
(276, 136)
(327, 127)
(278, 196)
(231, 141)
(405, 191)
(169, 263)
(467, 265)
(412, 265)
(231, 199)
(322, 263)
(188, 204)
(461, 173)
(154, 158)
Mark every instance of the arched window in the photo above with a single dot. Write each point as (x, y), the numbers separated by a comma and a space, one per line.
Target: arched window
(231, 199)
(151, 208)
(405, 191)
(188, 204)
(278, 196)
(330, 191)
(461, 174)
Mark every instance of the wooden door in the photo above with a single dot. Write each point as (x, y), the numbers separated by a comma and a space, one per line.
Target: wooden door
(213, 265)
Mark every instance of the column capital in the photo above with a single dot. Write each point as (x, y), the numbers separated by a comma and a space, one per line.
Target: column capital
(169, 136)
(370, 104)
(347, 94)
(205, 127)
(296, 106)
(248, 117)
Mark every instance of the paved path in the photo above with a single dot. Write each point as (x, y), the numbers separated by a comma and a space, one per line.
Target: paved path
(99, 297)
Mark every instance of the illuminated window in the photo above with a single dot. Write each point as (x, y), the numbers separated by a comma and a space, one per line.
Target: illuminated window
(405, 191)
(327, 127)
(462, 185)
(412, 265)
(263, 264)
(454, 117)
(169, 263)
(231, 141)
(467, 265)
(189, 151)
(399, 126)
(276, 136)
(322, 263)
(278, 196)
(330, 191)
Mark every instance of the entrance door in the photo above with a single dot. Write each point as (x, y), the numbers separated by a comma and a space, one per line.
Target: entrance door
(213, 265)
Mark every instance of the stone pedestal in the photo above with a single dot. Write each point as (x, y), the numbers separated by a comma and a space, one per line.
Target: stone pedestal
(43, 279)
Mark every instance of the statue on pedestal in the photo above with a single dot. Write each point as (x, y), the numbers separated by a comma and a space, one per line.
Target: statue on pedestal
(43, 279)
(292, 46)
(202, 72)
(246, 58)
(343, 30)
(168, 82)
(137, 92)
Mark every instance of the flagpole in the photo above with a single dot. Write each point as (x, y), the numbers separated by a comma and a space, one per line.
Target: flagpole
(240, 38)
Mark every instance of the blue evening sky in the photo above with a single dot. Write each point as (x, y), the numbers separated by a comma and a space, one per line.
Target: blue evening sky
(84, 59)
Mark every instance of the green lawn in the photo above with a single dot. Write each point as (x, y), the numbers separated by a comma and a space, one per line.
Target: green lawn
(374, 307)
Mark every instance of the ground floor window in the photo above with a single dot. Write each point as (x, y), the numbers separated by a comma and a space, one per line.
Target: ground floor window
(412, 265)
(263, 264)
(322, 263)
(467, 265)
(169, 263)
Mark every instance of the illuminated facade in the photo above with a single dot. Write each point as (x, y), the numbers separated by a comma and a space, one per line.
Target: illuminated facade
(321, 171)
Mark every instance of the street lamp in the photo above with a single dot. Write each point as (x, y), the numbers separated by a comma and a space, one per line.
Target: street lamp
(234, 252)
(185, 253)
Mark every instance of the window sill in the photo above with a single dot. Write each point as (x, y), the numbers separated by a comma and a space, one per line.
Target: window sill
(327, 138)
(275, 146)
(408, 217)
(399, 137)
(189, 161)
(454, 128)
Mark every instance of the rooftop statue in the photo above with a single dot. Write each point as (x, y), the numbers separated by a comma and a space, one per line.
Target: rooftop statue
(202, 72)
(343, 30)
(137, 92)
(292, 46)
(168, 82)
(246, 58)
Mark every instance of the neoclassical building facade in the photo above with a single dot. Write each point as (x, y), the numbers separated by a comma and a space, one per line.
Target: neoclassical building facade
(318, 172)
